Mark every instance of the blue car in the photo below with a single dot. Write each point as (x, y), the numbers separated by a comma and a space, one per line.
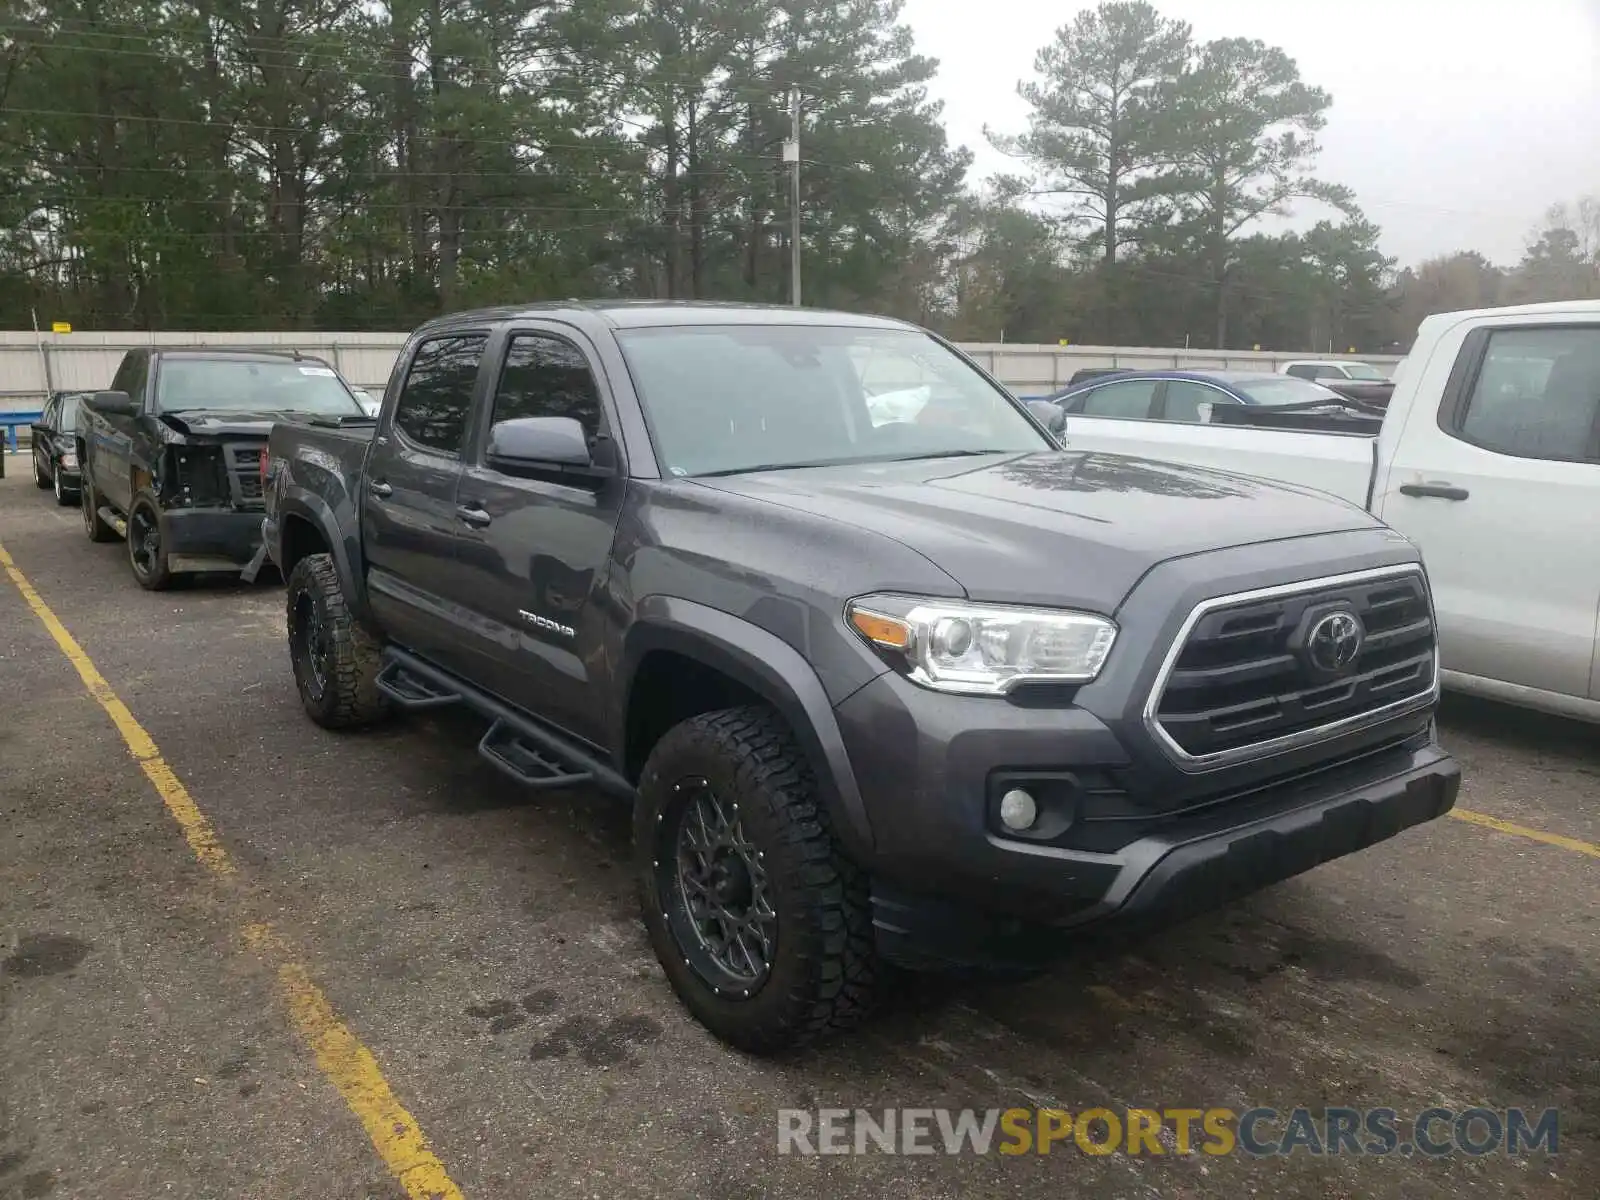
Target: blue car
(1186, 395)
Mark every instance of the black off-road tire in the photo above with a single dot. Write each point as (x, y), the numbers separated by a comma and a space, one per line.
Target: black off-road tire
(90, 499)
(158, 577)
(347, 695)
(824, 973)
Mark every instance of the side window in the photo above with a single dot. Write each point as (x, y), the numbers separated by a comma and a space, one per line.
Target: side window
(1129, 400)
(547, 376)
(1537, 394)
(1184, 399)
(1300, 371)
(436, 397)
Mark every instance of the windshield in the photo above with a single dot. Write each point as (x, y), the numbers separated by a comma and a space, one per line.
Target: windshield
(1363, 371)
(257, 386)
(68, 420)
(722, 399)
(1284, 389)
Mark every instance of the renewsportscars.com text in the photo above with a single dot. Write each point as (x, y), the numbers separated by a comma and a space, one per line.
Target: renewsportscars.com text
(1258, 1132)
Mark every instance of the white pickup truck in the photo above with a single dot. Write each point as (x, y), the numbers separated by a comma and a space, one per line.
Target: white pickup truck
(1488, 458)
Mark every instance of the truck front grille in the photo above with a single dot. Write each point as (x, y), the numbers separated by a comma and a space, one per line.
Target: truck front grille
(244, 467)
(1264, 671)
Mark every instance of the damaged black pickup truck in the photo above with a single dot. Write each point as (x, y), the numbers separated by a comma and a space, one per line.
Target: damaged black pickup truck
(171, 455)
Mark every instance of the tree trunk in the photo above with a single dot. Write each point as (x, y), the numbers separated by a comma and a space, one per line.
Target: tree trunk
(696, 214)
(672, 203)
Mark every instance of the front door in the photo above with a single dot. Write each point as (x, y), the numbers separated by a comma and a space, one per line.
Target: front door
(1499, 488)
(409, 524)
(534, 555)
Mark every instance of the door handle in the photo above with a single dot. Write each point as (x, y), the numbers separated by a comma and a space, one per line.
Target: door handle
(380, 489)
(1441, 491)
(473, 515)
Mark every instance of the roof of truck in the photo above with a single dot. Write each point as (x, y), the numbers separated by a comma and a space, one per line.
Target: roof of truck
(239, 353)
(643, 314)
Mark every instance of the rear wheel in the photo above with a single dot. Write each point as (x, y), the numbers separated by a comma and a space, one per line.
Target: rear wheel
(335, 661)
(147, 546)
(760, 921)
(89, 499)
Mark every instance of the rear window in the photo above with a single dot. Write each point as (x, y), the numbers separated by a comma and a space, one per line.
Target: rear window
(68, 420)
(254, 386)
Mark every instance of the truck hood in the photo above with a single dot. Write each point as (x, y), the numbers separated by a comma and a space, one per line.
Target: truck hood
(1056, 527)
(206, 422)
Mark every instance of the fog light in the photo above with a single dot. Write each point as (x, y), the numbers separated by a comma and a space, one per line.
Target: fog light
(1018, 810)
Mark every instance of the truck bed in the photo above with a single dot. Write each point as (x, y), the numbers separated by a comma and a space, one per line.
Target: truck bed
(325, 452)
(1338, 462)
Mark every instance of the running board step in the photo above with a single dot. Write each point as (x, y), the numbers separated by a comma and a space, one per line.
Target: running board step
(521, 746)
(110, 516)
(410, 691)
(518, 758)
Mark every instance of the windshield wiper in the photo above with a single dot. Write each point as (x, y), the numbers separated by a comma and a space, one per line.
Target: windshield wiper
(950, 454)
(791, 466)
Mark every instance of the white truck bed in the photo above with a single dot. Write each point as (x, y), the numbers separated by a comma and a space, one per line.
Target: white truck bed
(1341, 463)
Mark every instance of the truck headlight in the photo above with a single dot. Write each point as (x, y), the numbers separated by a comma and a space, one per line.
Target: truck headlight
(983, 649)
(69, 460)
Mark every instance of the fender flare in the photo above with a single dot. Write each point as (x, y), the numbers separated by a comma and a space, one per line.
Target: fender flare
(307, 506)
(773, 670)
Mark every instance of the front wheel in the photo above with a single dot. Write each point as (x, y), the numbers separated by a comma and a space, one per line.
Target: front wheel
(63, 497)
(761, 923)
(40, 479)
(335, 661)
(147, 546)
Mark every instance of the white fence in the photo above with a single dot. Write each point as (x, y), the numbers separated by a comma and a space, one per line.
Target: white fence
(31, 366)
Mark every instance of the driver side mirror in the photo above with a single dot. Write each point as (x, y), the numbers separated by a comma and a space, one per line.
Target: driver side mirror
(1049, 414)
(113, 404)
(540, 445)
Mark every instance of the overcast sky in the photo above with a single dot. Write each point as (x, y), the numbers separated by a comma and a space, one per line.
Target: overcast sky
(1457, 122)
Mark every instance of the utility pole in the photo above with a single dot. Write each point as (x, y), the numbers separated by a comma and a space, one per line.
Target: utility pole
(791, 155)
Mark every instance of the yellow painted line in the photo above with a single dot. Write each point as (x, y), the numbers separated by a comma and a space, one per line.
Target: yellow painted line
(351, 1068)
(197, 830)
(346, 1063)
(1576, 845)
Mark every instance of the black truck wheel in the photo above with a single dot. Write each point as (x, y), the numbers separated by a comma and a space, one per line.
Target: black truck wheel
(147, 545)
(89, 500)
(335, 660)
(40, 479)
(760, 921)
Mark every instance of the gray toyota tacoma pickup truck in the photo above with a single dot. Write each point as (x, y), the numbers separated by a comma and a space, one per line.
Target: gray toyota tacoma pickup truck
(888, 675)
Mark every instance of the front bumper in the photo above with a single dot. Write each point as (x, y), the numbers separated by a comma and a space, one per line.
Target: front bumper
(1030, 909)
(71, 480)
(1127, 833)
(200, 539)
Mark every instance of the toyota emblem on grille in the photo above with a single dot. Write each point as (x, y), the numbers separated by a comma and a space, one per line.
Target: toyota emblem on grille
(1334, 641)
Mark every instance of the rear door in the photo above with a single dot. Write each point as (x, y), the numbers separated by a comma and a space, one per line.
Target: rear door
(535, 547)
(1500, 487)
(409, 525)
(44, 436)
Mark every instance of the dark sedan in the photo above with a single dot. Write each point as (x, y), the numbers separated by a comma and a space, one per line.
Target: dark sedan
(1187, 395)
(55, 450)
